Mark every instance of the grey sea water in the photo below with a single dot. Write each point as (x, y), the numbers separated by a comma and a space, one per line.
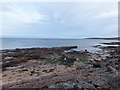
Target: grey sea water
(12, 43)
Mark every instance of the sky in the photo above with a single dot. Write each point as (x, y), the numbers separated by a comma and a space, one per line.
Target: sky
(59, 19)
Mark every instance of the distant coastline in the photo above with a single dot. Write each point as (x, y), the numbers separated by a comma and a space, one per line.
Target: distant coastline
(109, 38)
(114, 38)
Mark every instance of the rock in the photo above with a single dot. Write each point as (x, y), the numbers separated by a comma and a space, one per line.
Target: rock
(111, 69)
(114, 81)
(80, 86)
(91, 70)
(4, 75)
(8, 58)
(97, 45)
(103, 64)
(60, 58)
(48, 70)
(64, 86)
(24, 69)
(99, 83)
(68, 47)
(60, 67)
(91, 60)
(86, 51)
(78, 65)
(97, 60)
(84, 85)
(65, 60)
(69, 60)
(10, 68)
(21, 70)
(96, 65)
(51, 70)
(70, 86)
(32, 72)
(53, 87)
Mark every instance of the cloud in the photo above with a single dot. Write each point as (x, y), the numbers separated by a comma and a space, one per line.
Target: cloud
(21, 15)
(111, 28)
(74, 20)
(107, 14)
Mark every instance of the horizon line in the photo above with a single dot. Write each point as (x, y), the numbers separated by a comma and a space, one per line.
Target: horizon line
(55, 38)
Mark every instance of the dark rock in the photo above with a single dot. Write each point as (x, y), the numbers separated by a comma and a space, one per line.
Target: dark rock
(96, 65)
(53, 87)
(100, 83)
(32, 72)
(69, 60)
(86, 51)
(24, 69)
(111, 69)
(64, 86)
(8, 58)
(70, 86)
(4, 75)
(68, 47)
(51, 70)
(21, 70)
(114, 81)
(84, 85)
(112, 43)
(45, 71)
(97, 45)
(80, 86)
(48, 70)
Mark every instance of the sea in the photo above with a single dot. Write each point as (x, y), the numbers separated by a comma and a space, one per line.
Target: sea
(13, 43)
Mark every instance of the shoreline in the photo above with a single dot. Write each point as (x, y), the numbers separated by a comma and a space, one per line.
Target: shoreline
(61, 65)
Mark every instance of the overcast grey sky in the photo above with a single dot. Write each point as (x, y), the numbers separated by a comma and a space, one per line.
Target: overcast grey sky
(59, 19)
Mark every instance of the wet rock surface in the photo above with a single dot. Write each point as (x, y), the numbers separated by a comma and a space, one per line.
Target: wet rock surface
(61, 68)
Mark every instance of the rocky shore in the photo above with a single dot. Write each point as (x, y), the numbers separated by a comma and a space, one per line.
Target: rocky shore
(60, 68)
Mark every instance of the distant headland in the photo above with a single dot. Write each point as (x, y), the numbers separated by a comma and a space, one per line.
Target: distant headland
(113, 38)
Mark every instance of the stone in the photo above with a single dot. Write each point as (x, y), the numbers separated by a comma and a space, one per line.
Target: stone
(32, 72)
(97, 45)
(68, 47)
(98, 83)
(24, 69)
(4, 75)
(84, 85)
(48, 70)
(79, 86)
(69, 60)
(8, 58)
(64, 86)
(98, 60)
(111, 69)
(60, 67)
(51, 70)
(52, 87)
(96, 65)
(21, 70)
(69, 86)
